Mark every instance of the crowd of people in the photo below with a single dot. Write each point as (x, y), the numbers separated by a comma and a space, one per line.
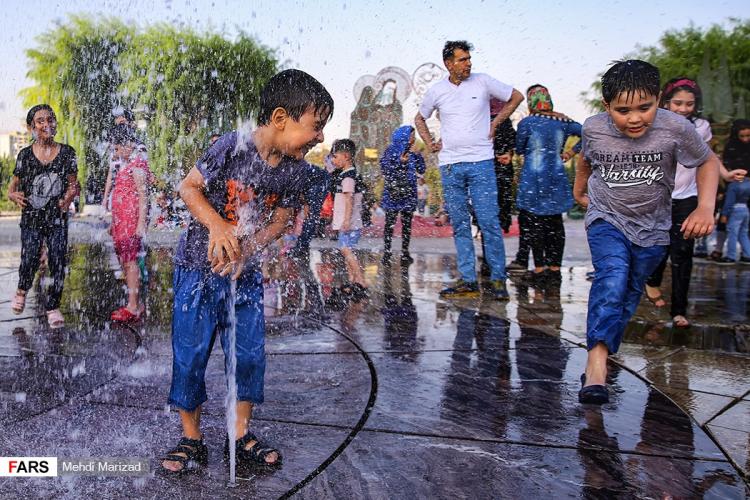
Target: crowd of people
(645, 175)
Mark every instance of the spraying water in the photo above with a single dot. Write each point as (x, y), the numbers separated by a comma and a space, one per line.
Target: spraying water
(231, 401)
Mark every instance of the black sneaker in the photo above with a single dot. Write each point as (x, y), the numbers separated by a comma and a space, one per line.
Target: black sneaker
(724, 261)
(744, 260)
(406, 259)
(700, 255)
(516, 267)
(497, 290)
(461, 290)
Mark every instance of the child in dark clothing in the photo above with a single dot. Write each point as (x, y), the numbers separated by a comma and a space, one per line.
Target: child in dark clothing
(44, 185)
(400, 167)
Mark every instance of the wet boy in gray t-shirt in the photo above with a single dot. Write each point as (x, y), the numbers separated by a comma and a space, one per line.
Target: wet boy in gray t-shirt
(625, 179)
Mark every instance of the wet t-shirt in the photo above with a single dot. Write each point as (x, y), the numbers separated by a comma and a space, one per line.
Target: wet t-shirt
(632, 179)
(44, 186)
(244, 189)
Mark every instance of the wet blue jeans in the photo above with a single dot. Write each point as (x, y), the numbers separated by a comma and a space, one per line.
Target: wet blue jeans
(621, 269)
(737, 231)
(474, 181)
(199, 313)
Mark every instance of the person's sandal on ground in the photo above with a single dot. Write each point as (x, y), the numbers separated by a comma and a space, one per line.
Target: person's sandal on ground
(654, 296)
(189, 454)
(250, 450)
(680, 321)
(19, 303)
(55, 319)
(123, 315)
(592, 394)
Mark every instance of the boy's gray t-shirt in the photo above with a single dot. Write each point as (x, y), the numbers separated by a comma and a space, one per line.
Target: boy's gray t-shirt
(632, 179)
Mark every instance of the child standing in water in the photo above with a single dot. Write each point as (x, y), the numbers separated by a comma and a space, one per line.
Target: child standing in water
(400, 167)
(347, 212)
(242, 194)
(44, 185)
(625, 179)
(735, 212)
(129, 216)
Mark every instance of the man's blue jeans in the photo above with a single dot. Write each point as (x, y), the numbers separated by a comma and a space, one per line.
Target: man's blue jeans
(621, 269)
(474, 181)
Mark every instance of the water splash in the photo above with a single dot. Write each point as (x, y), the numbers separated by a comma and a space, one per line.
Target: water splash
(231, 401)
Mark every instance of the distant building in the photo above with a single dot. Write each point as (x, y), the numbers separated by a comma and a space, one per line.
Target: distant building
(11, 144)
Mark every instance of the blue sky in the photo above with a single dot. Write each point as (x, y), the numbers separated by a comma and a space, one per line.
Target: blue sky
(559, 43)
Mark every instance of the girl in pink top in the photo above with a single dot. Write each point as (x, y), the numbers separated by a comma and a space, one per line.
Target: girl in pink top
(129, 213)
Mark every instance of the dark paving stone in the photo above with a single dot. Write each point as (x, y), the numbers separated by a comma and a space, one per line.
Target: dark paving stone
(55, 366)
(378, 465)
(712, 372)
(700, 405)
(91, 430)
(322, 388)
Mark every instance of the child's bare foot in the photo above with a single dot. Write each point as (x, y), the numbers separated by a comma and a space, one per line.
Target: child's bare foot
(653, 294)
(680, 321)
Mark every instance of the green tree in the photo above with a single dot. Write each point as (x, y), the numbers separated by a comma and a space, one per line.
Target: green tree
(719, 57)
(190, 85)
(7, 165)
(185, 84)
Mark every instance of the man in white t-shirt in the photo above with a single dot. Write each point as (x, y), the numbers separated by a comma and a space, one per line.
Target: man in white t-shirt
(466, 162)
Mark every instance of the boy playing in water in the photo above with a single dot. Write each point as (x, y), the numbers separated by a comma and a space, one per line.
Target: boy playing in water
(625, 179)
(241, 194)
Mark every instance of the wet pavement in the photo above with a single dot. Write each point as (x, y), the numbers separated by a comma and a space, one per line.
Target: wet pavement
(401, 396)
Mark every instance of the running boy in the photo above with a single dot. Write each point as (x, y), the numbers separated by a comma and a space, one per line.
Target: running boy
(347, 212)
(630, 154)
(241, 194)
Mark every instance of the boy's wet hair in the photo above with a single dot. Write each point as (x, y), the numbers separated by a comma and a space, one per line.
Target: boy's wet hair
(450, 48)
(296, 92)
(33, 111)
(630, 77)
(121, 134)
(344, 146)
(682, 83)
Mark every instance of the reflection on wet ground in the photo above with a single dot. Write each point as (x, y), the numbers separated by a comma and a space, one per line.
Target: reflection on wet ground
(402, 395)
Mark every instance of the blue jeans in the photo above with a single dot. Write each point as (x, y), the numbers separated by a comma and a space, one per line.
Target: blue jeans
(475, 181)
(737, 230)
(349, 239)
(620, 272)
(199, 313)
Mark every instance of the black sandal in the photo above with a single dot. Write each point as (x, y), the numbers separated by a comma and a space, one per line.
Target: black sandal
(256, 454)
(196, 455)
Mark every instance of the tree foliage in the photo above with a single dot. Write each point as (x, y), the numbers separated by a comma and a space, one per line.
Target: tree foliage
(719, 57)
(182, 83)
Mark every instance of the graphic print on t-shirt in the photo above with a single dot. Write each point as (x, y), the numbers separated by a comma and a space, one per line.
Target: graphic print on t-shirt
(622, 170)
(45, 187)
(247, 209)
